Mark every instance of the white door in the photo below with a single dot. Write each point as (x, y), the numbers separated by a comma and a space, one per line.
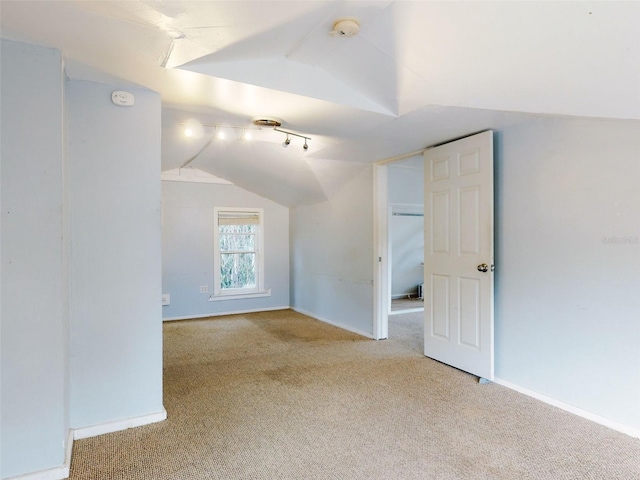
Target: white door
(458, 259)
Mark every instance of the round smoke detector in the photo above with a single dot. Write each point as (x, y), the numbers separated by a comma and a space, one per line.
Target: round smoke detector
(345, 27)
(267, 122)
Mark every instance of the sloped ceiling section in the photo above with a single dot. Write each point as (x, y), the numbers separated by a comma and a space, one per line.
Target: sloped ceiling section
(260, 165)
(551, 57)
(417, 73)
(303, 58)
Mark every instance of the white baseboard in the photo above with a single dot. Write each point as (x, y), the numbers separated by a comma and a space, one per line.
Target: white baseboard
(56, 473)
(257, 310)
(63, 471)
(411, 295)
(220, 314)
(331, 322)
(67, 454)
(570, 408)
(408, 310)
(118, 425)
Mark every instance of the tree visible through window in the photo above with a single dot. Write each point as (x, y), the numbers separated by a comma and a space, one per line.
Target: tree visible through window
(237, 256)
(238, 247)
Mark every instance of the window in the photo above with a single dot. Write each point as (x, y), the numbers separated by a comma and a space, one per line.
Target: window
(238, 253)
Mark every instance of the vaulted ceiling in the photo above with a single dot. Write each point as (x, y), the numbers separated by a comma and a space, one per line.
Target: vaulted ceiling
(416, 74)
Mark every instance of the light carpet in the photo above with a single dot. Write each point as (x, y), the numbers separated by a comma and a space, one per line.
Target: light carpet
(278, 395)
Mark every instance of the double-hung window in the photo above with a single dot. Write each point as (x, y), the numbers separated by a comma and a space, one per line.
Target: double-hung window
(238, 253)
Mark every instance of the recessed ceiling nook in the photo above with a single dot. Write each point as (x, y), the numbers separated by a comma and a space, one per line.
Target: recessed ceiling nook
(344, 27)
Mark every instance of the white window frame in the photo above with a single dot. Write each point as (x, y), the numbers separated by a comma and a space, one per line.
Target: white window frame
(238, 293)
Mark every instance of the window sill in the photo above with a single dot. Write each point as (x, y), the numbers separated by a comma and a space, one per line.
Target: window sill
(239, 296)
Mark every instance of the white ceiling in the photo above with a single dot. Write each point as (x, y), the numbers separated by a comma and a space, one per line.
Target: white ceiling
(417, 74)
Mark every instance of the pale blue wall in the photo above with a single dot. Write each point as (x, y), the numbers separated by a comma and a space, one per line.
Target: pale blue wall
(332, 257)
(81, 258)
(187, 248)
(406, 241)
(405, 193)
(34, 324)
(567, 304)
(114, 192)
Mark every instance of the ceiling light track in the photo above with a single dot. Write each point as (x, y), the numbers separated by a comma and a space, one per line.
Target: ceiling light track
(220, 130)
(219, 133)
(288, 140)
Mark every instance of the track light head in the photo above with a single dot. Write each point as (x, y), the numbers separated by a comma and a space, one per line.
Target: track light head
(287, 141)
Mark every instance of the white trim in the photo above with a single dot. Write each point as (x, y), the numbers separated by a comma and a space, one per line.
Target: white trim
(408, 310)
(335, 324)
(404, 156)
(220, 314)
(119, 425)
(239, 296)
(257, 310)
(633, 432)
(416, 153)
(68, 451)
(56, 473)
(381, 271)
(258, 251)
(397, 296)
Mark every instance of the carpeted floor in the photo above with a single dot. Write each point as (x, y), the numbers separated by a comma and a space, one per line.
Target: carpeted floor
(399, 304)
(277, 395)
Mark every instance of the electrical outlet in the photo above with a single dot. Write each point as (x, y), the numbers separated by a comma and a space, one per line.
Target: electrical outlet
(166, 299)
(204, 289)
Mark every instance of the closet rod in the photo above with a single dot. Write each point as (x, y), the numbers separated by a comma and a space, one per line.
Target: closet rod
(408, 214)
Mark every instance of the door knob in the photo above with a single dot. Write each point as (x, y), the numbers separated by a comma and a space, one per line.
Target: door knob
(483, 267)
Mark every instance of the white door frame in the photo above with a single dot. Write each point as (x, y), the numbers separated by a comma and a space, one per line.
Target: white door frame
(381, 270)
(381, 247)
(381, 251)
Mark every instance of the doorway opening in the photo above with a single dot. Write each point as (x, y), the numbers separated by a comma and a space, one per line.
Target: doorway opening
(458, 254)
(400, 223)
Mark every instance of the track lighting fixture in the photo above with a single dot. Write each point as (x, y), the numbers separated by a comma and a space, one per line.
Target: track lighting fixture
(220, 133)
(287, 141)
(193, 128)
